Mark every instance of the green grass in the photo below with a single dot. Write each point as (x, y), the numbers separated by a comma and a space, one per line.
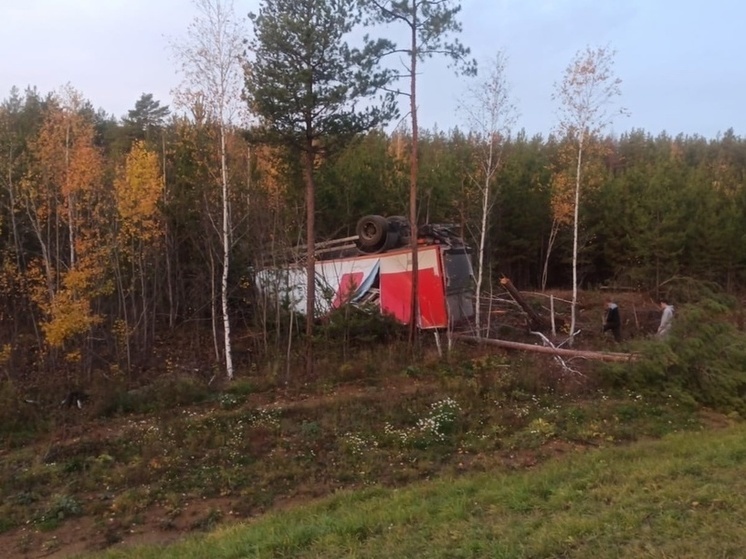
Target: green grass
(471, 416)
(243, 451)
(682, 496)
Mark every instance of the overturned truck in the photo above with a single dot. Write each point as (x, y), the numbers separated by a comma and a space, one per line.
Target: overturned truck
(374, 268)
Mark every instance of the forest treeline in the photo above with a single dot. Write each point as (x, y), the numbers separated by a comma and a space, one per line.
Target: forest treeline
(110, 240)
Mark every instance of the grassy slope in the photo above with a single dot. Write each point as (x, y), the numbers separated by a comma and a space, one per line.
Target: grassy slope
(179, 458)
(683, 496)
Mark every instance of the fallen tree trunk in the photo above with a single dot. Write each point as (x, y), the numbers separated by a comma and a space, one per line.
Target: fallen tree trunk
(537, 322)
(597, 355)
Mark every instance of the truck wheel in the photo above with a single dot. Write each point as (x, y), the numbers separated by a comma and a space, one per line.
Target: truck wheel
(400, 225)
(372, 231)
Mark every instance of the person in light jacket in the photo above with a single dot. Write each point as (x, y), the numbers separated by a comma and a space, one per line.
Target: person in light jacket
(666, 319)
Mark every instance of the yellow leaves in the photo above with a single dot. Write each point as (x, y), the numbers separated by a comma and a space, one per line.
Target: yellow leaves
(121, 331)
(74, 356)
(67, 159)
(69, 313)
(62, 190)
(565, 179)
(71, 316)
(586, 92)
(139, 187)
(84, 167)
(79, 281)
(10, 278)
(563, 185)
(68, 309)
(563, 201)
(269, 167)
(69, 210)
(38, 284)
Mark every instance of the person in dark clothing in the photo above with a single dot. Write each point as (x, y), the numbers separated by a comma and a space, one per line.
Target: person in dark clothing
(613, 320)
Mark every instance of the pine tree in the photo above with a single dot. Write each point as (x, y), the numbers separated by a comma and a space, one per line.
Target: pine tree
(304, 84)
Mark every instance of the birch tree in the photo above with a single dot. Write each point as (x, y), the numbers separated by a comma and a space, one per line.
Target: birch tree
(562, 201)
(64, 200)
(211, 63)
(138, 188)
(490, 113)
(586, 97)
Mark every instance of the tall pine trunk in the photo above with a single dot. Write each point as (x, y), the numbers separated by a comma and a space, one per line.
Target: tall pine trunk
(414, 164)
(308, 162)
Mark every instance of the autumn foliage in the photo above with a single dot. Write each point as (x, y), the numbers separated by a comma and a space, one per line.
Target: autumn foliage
(111, 241)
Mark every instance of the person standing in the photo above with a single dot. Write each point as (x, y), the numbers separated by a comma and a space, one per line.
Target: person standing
(613, 320)
(666, 319)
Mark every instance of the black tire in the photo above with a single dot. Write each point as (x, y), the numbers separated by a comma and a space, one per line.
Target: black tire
(392, 241)
(400, 225)
(372, 231)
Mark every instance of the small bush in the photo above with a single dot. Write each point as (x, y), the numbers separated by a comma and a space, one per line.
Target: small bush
(20, 420)
(210, 521)
(310, 430)
(241, 388)
(703, 361)
(360, 326)
(61, 508)
(357, 444)
(164, 394)
(228, 401)
(536, 433)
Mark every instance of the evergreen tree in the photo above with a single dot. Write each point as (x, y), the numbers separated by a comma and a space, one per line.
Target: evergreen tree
(429, 25)
(146, 116)
(305, 83)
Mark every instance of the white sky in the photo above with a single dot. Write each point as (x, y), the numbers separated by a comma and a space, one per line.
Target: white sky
(679, 60)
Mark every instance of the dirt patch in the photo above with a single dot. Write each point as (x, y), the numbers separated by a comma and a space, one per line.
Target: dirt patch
(345, 393)
(714, 420)
(155, 526)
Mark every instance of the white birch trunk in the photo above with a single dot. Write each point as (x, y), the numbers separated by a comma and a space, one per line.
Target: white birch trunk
(483, 236)
(212, 66)
(585, 94)
(491, 115)
(573, 312)
(226, 259)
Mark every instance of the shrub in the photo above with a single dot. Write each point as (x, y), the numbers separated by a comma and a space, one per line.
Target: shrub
(703, 361)
(20, 419)
(60, 508)
(163, 394)
(360, 326)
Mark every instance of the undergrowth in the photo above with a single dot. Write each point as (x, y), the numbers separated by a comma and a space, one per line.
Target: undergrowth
(702, 362)
(377, 415)
(681, 497)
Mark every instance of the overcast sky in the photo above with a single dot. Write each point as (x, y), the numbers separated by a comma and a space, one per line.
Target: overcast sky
(680, 61)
